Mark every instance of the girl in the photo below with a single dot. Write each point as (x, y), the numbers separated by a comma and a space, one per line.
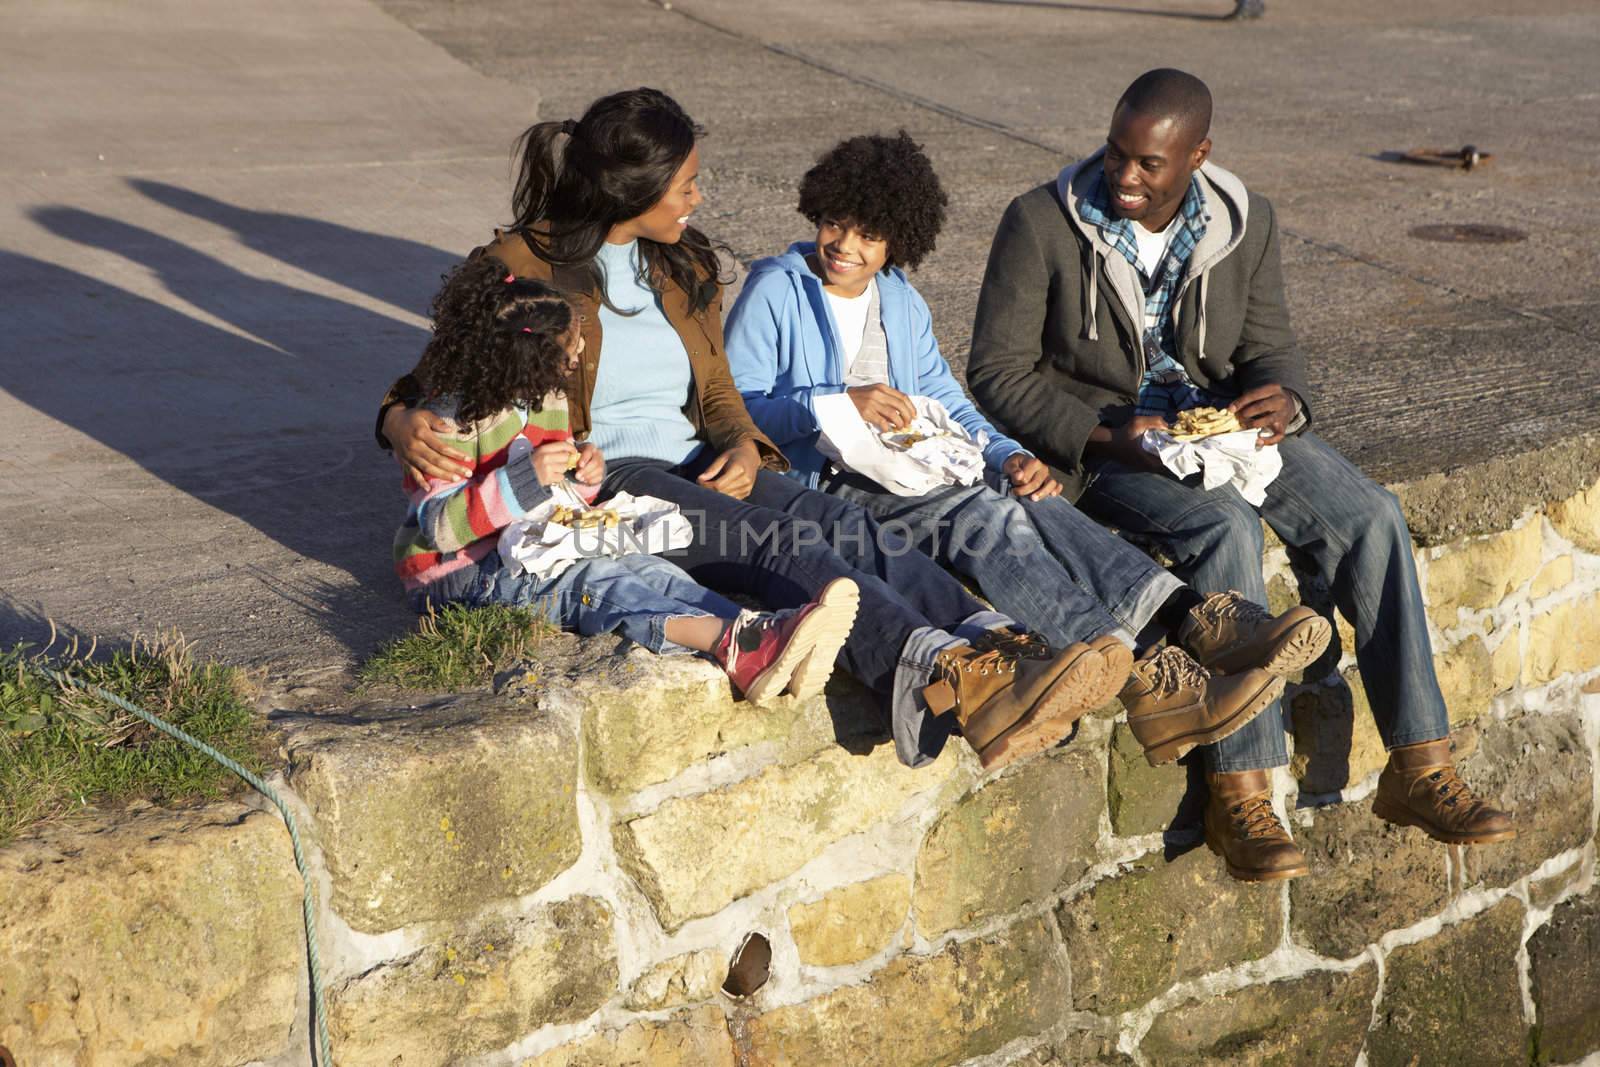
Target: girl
(494, 372)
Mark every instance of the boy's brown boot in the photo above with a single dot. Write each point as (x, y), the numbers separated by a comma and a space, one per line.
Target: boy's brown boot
(1420, 787)
(1116, 659)
(1175, 704)
(1242, 828)
(1009, 707)
(1228, 634)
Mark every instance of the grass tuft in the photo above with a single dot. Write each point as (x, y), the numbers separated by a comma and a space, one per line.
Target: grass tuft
(456, 647)
(62, 749)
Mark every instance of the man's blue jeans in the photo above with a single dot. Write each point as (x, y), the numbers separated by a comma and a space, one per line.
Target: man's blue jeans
(1041, 562)
(1354, 532)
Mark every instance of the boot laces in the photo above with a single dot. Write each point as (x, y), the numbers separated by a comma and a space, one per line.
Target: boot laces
(1020, 644)
(1452, 792)
(987, 661)
(1234, 606)
(1253, 817)
(1175, 669)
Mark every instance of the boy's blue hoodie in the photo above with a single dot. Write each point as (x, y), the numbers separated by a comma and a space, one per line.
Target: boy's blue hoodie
(783, 347)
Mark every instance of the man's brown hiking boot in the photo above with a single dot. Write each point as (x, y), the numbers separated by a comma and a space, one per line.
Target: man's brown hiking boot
(1242, 828)
(1420, 787)
(1009, 708)
(1116, 658)
(1227, 634)
(1174, 704)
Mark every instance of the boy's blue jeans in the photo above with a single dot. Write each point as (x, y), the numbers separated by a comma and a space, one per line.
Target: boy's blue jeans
(1042, 562)
(635, 595)
(1355, 533)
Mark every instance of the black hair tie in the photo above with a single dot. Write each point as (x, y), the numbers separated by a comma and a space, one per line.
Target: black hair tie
(570, 128)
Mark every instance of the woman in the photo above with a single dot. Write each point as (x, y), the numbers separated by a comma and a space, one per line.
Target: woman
(603, 206)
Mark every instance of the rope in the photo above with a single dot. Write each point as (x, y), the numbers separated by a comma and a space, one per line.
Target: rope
(318, 1005)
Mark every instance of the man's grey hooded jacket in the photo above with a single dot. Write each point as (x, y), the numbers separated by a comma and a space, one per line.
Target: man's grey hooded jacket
(1057, 347)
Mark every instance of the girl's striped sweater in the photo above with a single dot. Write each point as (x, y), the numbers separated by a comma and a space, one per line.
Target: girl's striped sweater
(450, 525)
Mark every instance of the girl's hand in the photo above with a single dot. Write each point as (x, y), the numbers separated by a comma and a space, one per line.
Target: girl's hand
(552, 461)
(734, 472)
(413, 433)
(591, 465)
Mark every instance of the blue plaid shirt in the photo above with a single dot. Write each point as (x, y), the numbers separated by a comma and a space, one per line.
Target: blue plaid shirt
(1165, 389)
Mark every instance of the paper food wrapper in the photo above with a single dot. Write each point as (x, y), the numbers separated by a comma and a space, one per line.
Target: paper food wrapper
(946, 454)
(646, 525)
(1225, 459)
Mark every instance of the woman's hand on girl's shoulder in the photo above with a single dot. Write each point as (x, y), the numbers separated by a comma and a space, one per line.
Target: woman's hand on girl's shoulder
(413, 433)
(552, 461)
(591, 465)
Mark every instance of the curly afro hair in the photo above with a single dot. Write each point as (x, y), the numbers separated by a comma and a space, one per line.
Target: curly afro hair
(496, 342)
(885, 186)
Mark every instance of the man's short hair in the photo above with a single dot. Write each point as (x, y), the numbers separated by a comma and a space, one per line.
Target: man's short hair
(1175, 94)
(884, 185)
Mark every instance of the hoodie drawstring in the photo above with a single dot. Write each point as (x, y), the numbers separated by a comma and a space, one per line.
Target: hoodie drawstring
(1092, 327)
(1201, 356)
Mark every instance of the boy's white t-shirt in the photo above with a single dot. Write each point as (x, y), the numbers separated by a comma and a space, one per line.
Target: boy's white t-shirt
(850, 316)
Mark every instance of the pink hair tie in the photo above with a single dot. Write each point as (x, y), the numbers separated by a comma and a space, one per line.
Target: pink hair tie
(527, 329)
(510, 278)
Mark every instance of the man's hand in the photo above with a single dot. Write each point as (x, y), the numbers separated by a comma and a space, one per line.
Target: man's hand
(1121, 443)
(552, 461)
(591, 465)
(413, 433)
(884, 407)
(1029, 477)
(1268, 409)
(733, 473)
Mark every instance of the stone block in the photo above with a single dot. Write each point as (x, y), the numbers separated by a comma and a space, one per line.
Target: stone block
(1140, 798)
(924, 1011)
(694, 855)
(1132, 936)
(1466, 678)
(1545, 891)
(638, 734)
(1557, 574)
(1478, 574)
(169, 938)
(1565, 953)
(1013, 842)
(696, 1038)
(852, 923)
(1505, 662)
(1336, 741)
(481, 990)
(1563, 640)
(1367, 878)
(1319, 1018)
(1455, 997)
(433, 814)
(1577, 518)
(1537, 767)
(1081, 1049)
(685, 979)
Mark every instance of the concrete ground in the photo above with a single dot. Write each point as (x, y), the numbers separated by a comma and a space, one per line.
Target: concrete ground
(221, 222)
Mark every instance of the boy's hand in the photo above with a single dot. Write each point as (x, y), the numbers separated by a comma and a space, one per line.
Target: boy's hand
(591, 465)
(552, 461)
(882, 406)
(1029, 477)
(413, 433)
(734, 472)
(1266, 408)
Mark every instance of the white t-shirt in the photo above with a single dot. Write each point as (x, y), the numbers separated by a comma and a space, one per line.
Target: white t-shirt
(1152, 249)
(850, 316)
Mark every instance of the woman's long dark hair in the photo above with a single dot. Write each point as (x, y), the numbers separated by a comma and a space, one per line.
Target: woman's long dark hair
(495, 343)
(579, 179)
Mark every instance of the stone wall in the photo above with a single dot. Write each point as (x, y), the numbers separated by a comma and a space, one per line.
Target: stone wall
(557, 876)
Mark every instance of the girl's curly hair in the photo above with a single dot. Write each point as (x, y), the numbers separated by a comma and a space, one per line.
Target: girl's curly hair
(885, 186)
(496, 342)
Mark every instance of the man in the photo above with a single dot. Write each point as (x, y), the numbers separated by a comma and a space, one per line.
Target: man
(1143, 281)
(839, 316)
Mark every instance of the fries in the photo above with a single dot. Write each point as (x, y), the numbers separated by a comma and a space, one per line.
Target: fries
(1197, 423)
(585, 518)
